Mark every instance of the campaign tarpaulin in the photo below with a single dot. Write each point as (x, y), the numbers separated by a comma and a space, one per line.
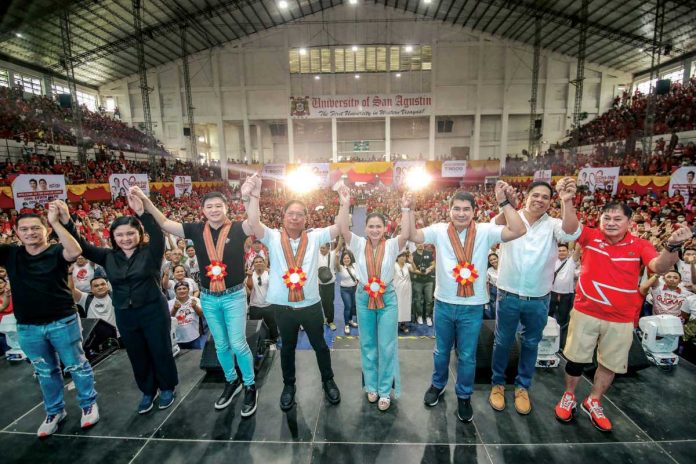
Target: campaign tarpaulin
(273, 171)
(454, 168)
(402, 168)
(121, 183)
(29, 190)
(542, 175)
(182, 186)
(360, 106)
(320, 171)
(683, 180)
(606, 179)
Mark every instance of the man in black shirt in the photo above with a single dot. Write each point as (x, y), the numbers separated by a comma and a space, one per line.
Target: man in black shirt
(47, 320)
(219, 245)
(423, 284)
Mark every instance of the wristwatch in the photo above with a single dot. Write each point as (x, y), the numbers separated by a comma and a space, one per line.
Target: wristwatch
(673, 247)
(505, 202)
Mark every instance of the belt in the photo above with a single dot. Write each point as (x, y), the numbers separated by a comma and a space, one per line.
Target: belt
(227, 291)
(525, 298)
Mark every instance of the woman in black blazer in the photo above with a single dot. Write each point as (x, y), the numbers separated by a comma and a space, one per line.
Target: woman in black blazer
(142, 317)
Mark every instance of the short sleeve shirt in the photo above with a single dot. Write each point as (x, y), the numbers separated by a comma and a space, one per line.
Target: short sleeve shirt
(391, 250)
(232, 255)
(487, 235)
(277, 291)
(609, 276)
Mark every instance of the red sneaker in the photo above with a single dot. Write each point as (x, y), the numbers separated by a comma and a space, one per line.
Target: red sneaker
(565, 409)
(593, 409)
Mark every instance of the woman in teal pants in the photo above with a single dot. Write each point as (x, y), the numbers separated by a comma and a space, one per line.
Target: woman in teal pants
(376, 302)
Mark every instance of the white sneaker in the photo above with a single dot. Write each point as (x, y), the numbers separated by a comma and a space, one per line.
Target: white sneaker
(346, 330)
(90, 416)
(419, 320)
(429, 322)
(50, 425)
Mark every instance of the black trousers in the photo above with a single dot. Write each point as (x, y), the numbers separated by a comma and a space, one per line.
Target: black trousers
(311, 319)
(267, 314)
(559, 308)
(145, 332)
(327, 293)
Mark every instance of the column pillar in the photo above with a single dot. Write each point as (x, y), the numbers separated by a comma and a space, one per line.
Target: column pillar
(259, 143)
(476, 139)
(387, 138)
(291, 142)
(334, 140)
(431, 139)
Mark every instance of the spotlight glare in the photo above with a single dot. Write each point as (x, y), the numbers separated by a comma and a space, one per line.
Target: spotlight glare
(357, 76)
(303, 51)
(301, 180)
(316, 78)
(283, 4)
(408, 48)
(398, 74)
(353, 2)
(354, 48)
(19, 35)
(417, 179)
(427, 2)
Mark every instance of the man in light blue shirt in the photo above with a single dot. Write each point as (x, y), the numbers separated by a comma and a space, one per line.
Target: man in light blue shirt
(460, 292)
(293, 288)
(525, 278)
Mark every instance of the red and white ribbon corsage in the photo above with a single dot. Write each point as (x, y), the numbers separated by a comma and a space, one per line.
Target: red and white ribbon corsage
(216, 271)
(465, 273)
(375, 287)
(294, 278)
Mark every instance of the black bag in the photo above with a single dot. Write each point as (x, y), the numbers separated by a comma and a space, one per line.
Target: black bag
(324, 272)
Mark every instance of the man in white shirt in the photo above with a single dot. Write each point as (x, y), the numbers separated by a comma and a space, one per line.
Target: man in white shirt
(293, 289)
(460, 288)
(563, 289)
(687, 268)
(327, 289)
(259, 308)
(667, 292)
(525, 277)
(97, 302)
(82, 274)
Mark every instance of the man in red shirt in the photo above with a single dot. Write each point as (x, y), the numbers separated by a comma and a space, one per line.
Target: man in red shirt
(607, 302)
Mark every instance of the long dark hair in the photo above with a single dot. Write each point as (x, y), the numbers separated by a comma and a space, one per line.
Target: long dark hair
(350, 255)
(126, 221)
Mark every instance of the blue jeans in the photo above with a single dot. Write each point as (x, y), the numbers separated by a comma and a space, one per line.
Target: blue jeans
(378, 344)
(489, 311)
(460, 324)
(348, 298)
(532, 315)
(47, 345)
(226, 316)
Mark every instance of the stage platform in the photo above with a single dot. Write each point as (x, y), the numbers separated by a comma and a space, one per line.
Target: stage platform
(653, 415)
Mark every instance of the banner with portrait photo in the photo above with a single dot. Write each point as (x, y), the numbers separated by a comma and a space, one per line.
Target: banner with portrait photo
(321, 172)
(606, 179)
(542, 175)
(402, 168)
(456, 168)
(273, 171)
(683, 180)
(120, 183)
(29, 190)
(182, 186)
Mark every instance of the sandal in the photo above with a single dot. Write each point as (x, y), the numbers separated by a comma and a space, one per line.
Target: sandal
(372, 397)
(384, 403)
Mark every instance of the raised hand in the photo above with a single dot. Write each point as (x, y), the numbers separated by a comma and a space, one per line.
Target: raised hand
(137, 192)
(566, 188)
(53, 213)
(63, 211)
(252, 186)
(680, 235)
(136, 204)
(344, 195)
(407, 200)
(501, 189)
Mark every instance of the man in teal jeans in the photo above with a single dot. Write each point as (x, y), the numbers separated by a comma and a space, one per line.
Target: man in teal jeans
(460, 291)
(48, 325)
(219, 245)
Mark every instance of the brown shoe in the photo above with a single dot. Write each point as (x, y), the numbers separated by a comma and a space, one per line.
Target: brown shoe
(522, 403)
(497, 397)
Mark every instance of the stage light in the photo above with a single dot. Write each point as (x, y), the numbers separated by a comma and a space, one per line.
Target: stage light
(353, 2)
(303, 51)
(357, 76)
(398, 74)
(316, 78)
(201, 138)
(354, 48)
(408, 48)
(301, 180)
(19, 36)
(417, 179)
(282, 4)
(427, 2)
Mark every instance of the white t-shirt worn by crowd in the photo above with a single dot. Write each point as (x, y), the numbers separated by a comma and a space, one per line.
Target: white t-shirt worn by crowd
(188, 322)
(82, 276)
(172, 282)
(487, 235)
(277, 290)
(259, 291)
(99, 308)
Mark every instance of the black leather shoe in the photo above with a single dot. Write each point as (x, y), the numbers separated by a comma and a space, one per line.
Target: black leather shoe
(333, 395)
(464, 411)
(287, 398)
(432, 396)
(231, 390)
(251, 394)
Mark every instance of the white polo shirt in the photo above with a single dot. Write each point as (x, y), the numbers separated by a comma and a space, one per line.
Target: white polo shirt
(328, 260)
(277, 291)
(258, 292)
(391, 251)
(565, 277)
(527, 264)
(685, 271)
(487, 235)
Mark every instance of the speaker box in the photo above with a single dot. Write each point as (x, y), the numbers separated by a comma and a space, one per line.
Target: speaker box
(64, 100)
(445, 125)
(256, 334)
(662, 86)
(187, 132)
(484, 355)
(537, 123)
(99, 339)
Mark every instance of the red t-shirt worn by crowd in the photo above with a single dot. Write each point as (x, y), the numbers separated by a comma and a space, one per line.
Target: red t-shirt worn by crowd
(609, 276)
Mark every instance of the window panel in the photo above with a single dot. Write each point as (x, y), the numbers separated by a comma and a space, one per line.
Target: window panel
(315, 60)
(394, 59)
(294, 61)
(339, 60)
(350, 60)
(28, 83)
(381, 59)
(326, 60)
(4, 78)
(364, 59)
(360, 59)
(370, 59)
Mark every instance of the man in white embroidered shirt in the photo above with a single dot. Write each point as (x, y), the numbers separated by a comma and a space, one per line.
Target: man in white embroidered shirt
(525, 277)
(563, 289)
(460, 288)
